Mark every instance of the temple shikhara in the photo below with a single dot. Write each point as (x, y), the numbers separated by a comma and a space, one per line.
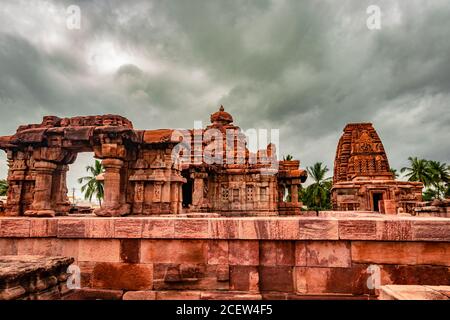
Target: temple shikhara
(362, 178)
(198, 214)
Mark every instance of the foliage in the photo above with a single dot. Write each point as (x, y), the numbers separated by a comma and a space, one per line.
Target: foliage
(92, 186)
(317, 196)
(3, 187)
(288, 157)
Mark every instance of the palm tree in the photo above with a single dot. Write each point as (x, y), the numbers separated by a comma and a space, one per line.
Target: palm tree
(92, 185)
(394, 173)
(288, 157)
(419, 170)
(440, 176)
(3, 187)
(317, 195)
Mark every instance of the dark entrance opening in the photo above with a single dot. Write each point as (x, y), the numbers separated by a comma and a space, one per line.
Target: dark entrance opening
(376, 198)
(187, 189)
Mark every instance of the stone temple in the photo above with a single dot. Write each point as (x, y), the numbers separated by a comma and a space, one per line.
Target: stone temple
(141, 175)
(362, 178)
(177, 223)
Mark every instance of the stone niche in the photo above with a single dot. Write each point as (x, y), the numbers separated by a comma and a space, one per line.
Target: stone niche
(142, 176)
(362, 179)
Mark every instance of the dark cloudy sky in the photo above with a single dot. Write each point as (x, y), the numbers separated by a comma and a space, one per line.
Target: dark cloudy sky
(305, 67)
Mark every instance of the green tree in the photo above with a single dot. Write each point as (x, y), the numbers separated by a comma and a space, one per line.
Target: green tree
(92, 186)
(419, 170)
(394, 173)
(317, 195)
(440, 177)
(3, 187)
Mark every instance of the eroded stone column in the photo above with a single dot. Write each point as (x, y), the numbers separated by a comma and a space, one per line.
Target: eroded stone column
(294, 193)
(112, 205)
(42, 202)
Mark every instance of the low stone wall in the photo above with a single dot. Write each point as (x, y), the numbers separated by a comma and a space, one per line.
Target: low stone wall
(33, 277)
(252, 257)
(411, 292)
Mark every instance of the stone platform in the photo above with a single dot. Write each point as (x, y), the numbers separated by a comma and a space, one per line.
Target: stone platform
(262, 257)
(27, 277)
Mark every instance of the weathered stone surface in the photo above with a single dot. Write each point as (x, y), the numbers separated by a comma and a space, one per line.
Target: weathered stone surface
(130, 250)
(224, 228)
(217, 252)
(415, 275)
(276, 278)
(32, 277)
(14, 228)
(128, 228)
(43, 227)
(328, 254)
(123, 276)
(8, 247)
(414, 292)
(99, 250)
(359, 229)
(100, 228)
(72, 228)
(139, 295)
(316, 228)
(168, 251)
(412, 253)
(244, 278)
(243, 252)
(192, 228)
(277, 253)
(431, 229)
(158, 228)
(177, 295)
(94, 294)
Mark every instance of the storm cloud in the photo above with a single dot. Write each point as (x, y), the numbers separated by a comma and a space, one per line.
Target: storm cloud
(305, 67)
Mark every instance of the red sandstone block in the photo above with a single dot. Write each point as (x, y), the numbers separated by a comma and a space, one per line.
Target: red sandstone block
(244, 252)
(191, 228)
(278, 278)
(312, 280)
(359, 229)
(99, 250)
(300, 253)
(277, 253)
(328, 254)
(229, 296)
(87, 270)
(178, 295)
(396, 229)
(130, 250)
(401, 253)
(158, 228)
(288, 229)
(318, 229)
(128, 228)
(224, 228)
(249, 228)
(35, 246)
(72, 228)
(244, 278)
(12, 227)
(123, 276)
(100, 228)
(217, 252)
(41, 227)
(430, 229)
(8, 247)
(66, 247)
(173, 251)
(415, 275)
(139, 295)
(94, 294)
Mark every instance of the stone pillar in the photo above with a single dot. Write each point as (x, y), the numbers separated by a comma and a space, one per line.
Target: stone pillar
(197, 195)
(112, 205)
(59, 193)
(294, 193)
(42, 202)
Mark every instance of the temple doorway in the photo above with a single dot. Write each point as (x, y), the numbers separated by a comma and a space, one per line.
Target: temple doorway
(376, 197)
(187, 189)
